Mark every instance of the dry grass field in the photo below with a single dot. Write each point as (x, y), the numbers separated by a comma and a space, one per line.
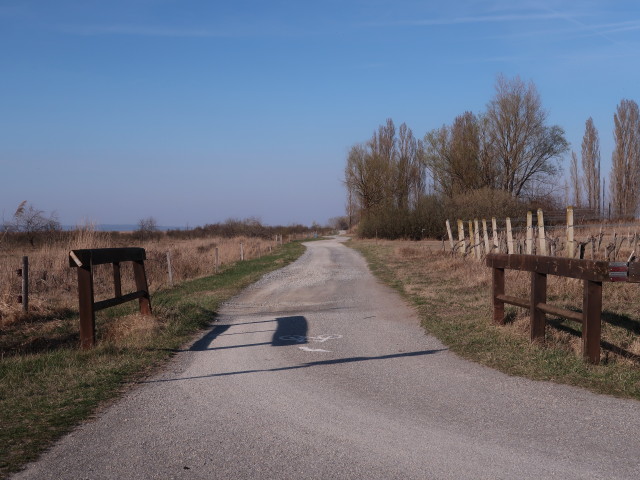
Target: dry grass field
(53, 284)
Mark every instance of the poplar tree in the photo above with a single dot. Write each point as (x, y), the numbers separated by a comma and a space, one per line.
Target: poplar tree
(625, 160)
(591, 165)
(575, 180)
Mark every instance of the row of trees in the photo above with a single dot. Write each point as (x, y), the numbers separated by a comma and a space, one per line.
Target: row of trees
(624, 183)
(503, 161)
(509, 147)
(500, 159)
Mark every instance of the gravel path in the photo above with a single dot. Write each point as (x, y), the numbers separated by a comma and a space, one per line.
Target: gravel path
(318, 371)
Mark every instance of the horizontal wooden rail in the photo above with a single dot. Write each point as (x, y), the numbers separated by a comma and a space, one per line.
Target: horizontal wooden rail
(84, 260)
(593, 273)
(597, 271)
(560, 312)
(112, 302)
(100, 256)
(518, 302)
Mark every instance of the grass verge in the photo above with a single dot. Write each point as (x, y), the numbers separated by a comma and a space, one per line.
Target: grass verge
(50, 386)
(452, 297)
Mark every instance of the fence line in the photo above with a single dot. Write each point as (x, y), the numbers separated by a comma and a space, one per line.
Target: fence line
(541, 239)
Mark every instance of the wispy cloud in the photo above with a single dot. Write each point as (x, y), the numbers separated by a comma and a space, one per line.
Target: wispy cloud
(146, 31)
(618, 27)
(519, 17)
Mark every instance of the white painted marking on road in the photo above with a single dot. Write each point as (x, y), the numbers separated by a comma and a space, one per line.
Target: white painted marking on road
(307, 349)
(303, 339)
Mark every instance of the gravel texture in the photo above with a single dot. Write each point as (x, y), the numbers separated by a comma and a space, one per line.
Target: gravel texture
(318, 371)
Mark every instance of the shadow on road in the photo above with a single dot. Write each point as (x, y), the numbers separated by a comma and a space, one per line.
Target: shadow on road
(320, 363)
(290, 331)
(203, 344)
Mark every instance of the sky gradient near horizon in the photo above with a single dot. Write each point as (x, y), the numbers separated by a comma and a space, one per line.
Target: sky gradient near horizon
(197, 111)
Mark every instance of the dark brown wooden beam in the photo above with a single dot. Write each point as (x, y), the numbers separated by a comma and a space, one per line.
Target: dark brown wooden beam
(538, 296)
(498, 291)
(518, 302)
(112, 302)
(99, 256)
(597, 271)
(591, 326)
(560, 312)
(87, 313)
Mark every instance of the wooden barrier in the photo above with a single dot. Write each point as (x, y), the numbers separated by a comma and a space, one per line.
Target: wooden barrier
(84, 260)
(593, 273)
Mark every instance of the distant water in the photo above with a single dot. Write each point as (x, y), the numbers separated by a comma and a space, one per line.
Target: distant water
(119, 228)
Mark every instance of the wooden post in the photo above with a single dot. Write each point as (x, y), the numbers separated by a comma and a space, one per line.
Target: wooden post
(169, 269)
(542, 239)
(529, 247)
(241, 252)
(450, 235)
(494, 227)
(471, 246)
(591, 312)
(570, 243)
(462, 247)
(85, 303)
(217, 259)
(509, 237)
(25, 284)
(117, 281)
(476, 239)
(498, 289)
(141, 285)
(487, 249)
(538, 295)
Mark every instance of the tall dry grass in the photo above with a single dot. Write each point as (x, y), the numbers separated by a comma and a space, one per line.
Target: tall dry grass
(53, 283)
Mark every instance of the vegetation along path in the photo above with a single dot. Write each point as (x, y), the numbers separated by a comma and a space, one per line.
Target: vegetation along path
(319, 371)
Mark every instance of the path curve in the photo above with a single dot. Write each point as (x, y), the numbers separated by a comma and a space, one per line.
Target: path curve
(319, 371)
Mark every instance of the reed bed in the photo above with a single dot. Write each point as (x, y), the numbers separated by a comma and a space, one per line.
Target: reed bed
(53, 283)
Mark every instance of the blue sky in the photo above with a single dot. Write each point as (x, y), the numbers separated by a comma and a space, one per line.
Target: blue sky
(196, 111)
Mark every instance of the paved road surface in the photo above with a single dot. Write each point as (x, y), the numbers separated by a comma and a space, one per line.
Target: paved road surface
(320, 372)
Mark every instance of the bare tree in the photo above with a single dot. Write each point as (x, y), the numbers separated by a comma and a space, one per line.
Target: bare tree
(147, 227)
(409, 168)
(625, 160)
(576, 186)
(31, 221)
(387, 170)
(591, 165)
(525, 149)
(457, 157)
(366, 176)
